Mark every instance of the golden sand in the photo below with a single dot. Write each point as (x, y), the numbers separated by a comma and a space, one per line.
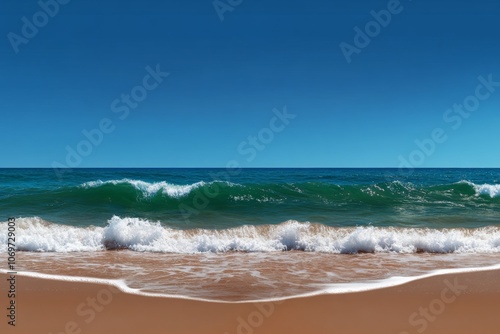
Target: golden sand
(454, 303)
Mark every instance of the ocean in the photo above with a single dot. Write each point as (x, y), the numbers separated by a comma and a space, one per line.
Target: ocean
(250, 234)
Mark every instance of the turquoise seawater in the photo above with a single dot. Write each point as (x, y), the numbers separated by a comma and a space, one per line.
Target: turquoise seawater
(220, 209)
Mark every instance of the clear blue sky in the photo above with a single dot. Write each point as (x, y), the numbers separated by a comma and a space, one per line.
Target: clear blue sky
(226, 77)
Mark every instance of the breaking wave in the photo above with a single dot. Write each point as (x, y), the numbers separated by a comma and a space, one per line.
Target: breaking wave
(37, 235)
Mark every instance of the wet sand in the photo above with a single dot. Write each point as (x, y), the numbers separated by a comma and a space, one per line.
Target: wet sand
(452, 303)
(242, 276)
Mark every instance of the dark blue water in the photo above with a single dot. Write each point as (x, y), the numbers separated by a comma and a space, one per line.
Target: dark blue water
(218, 210)
(220, 198)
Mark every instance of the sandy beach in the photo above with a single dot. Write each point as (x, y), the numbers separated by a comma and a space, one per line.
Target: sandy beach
(452, 303)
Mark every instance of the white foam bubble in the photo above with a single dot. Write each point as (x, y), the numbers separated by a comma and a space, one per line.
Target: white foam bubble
(493, 190)
(395, 281)
(150, 189)
(34, 234)
(488, 189)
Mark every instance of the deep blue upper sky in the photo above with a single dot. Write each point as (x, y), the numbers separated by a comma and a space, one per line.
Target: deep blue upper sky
(226, 77)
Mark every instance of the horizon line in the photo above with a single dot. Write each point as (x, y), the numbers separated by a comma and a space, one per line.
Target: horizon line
(405, 168)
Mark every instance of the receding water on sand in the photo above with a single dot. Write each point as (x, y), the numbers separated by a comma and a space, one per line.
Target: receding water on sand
(247, 276)
(253, 234)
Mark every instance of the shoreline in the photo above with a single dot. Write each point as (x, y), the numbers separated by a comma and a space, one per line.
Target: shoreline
(446, 303)
(330, 289)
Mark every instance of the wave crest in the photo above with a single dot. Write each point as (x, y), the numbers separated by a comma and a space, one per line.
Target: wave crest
(150, 189)
(35, 234)
(493, 190)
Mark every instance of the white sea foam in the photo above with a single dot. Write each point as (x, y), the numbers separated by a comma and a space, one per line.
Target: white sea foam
(149, 189)
(493, 190)
(34, 234)
(395, 281)
(339, 288)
